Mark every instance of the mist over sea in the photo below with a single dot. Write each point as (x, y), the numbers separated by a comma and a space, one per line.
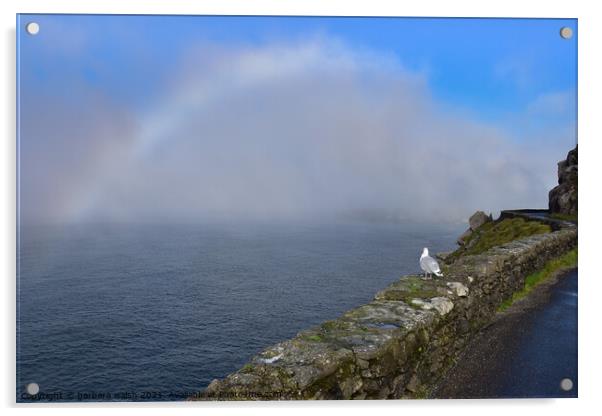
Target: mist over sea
(158, 311)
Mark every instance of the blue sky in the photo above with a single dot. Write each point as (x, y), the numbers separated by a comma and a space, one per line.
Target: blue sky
(486, 65)
(514, 76)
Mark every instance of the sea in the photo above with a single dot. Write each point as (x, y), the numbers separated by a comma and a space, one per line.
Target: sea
(147, 312)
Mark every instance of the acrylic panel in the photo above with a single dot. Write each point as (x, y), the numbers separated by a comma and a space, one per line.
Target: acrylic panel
(295, 208)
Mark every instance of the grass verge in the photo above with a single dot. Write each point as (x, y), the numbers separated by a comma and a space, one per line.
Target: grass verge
(566, 261)
(564, 217)
(496, 233)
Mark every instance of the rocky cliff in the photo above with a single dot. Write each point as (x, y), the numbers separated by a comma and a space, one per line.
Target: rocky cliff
(563, 198)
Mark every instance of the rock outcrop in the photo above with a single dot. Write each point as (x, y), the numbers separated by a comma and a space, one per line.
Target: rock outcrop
(475, 221)
(563, 198)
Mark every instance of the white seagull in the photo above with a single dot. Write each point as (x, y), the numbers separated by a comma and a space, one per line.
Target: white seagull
(429, 265)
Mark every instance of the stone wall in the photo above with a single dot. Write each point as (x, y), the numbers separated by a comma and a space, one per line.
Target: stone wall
(400, 344)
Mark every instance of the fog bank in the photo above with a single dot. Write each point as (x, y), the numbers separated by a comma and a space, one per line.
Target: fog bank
(311, 129)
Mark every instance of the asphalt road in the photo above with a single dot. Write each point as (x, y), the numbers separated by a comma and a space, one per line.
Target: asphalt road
(525, 352)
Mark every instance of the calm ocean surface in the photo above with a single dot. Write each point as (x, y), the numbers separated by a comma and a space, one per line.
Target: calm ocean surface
(156, 312)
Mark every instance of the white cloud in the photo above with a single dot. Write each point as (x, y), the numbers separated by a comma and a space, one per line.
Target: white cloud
(556, 103)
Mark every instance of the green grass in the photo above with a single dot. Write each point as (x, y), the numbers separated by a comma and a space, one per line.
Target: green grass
(564, 217)
(316, 338)
(247, 368)
(496, 233)
(567, 261)
(410, 288)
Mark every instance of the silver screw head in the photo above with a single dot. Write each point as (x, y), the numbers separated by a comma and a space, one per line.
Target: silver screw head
(566, 33)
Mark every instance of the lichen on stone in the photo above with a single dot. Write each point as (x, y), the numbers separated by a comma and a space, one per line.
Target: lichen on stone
(458, 289)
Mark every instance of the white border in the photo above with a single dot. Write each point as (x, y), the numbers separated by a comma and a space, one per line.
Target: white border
(590, 74)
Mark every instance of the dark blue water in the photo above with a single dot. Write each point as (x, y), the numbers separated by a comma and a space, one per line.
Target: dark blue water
(156, 312)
